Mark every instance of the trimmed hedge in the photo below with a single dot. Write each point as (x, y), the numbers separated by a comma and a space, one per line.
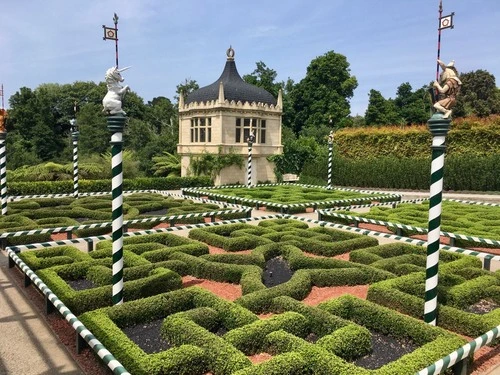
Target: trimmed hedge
(397, 295)
(158, 281)
(298, 287)
(86, 186)
(250, 339)
(223, 358)
(44, 258)
(461, 173)
(105, 325)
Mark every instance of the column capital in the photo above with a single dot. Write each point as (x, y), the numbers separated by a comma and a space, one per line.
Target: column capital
(438, 125)
(116, 123)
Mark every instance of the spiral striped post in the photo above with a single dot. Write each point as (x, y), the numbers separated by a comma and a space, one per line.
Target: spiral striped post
(116, 124)
(330, 158)
(439, 127)
(74, 138)
(3, 172)
(250, 140)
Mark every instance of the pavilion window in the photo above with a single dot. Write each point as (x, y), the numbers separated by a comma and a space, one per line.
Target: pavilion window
(243, 126)
(201, 129)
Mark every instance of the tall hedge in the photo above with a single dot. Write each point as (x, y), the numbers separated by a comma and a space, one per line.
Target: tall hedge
(461, 172)
(86, 186)
(391, 157)
(466, 137)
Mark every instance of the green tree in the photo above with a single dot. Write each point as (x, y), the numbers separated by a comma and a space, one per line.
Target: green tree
(295, 153)
(478, 95)
(162, 114)
(189, 85)
(324, 94)
(380, 111)
(167, 164)
(412, 107)
(264, 77)
(94, 135)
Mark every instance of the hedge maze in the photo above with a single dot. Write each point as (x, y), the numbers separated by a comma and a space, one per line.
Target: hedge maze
(467, 219)
(289, 198)
(33, 214)
(197, 332)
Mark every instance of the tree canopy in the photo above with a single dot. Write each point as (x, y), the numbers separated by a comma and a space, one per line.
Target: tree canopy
(479, 95)
(321, 99)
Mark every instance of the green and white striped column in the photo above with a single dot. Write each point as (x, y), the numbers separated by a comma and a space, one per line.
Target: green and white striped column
(439, 127)
(250, 140)
(115, 126)
(3, 172)
(74, 138)
(330, 159)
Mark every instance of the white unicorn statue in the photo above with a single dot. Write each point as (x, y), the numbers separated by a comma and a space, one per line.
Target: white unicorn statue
(112, 102)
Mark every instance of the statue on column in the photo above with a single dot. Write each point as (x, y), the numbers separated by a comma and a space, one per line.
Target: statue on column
(3, 117)
(330, 137)
(449, 88)
(112, 102)
(251, 137)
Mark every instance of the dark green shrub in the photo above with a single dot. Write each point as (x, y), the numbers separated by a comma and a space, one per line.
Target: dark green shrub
(223, 358)
(44, 258)
(250, 339)
(349, 342)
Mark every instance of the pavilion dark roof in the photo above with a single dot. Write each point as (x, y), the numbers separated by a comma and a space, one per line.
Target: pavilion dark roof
(235, 88)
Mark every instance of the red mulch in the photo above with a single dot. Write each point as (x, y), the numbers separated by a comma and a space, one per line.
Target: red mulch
(224, 290)
(258, 358)
(60, 236)
(266, 315)
(375, 227)
(319, 295)
(218, 250)
(344, 256)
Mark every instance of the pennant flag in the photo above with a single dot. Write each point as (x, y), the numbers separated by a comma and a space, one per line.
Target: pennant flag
(110, 33)
(446, 22)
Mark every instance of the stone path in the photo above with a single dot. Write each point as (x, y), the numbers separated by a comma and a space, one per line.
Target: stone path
(27, 344)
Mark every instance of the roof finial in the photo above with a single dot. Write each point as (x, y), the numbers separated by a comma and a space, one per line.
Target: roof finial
(230, 53)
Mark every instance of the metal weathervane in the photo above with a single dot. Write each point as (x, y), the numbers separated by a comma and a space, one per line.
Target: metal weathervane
(112, 34)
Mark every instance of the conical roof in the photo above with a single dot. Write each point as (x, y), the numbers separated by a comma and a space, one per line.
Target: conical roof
(235, 88)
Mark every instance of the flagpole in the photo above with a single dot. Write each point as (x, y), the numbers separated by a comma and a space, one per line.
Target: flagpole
(439, 37)
(2, 98)
(115, 20)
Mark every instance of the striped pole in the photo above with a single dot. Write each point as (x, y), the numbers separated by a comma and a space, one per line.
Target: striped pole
(74, 138)
(115, 126)
(330, 158)
(251, 140)
(3, 172)
(439, 128)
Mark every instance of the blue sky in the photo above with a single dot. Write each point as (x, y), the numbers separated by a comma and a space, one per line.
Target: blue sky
(386, 42)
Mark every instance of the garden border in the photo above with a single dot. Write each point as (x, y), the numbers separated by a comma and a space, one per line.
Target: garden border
(162, 219)
(90, 240)
(103, 353)
(117, 368)
(461, 353)
(399, 227)
(14, 198)
(487, 258)
(284, 208)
